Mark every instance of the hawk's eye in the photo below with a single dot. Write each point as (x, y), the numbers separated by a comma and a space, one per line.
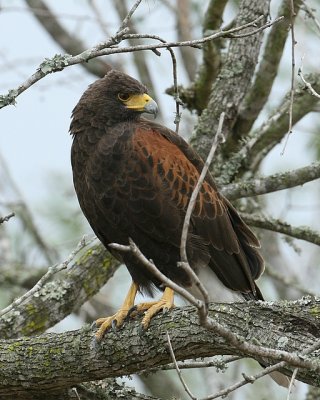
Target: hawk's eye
(124, 96)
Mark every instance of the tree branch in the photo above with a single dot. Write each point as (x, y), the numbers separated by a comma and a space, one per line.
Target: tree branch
(107, 389)
(60, 62)
(263, 139)
(139, 59)
(47, 362)
(67, 42)
(258, 94)
(272, 183)
(56, 299)
(276, 225)
(6, 218)
(276, 126)
(234, 79)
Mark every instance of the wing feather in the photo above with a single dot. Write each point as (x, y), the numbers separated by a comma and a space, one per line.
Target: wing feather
(138, 182)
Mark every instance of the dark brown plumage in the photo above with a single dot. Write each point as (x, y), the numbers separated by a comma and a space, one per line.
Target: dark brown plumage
(134, 178)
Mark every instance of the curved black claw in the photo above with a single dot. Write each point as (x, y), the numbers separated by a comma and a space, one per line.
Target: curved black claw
(130, 312)
(114, 325)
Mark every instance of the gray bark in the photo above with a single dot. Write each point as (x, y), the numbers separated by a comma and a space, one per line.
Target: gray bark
(54, 362)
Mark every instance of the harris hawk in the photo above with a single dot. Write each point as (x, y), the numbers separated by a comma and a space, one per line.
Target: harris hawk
(134, 179)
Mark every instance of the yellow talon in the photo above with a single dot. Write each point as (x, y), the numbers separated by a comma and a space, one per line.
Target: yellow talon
(119, 316)
(151, 308)
(165, 303)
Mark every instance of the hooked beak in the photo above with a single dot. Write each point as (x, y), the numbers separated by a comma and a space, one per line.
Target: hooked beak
(142, 103)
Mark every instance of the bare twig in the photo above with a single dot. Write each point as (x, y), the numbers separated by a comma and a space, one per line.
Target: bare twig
(6, 218)
(247, 379)
(59, 62)
(223, 392)
(69, 43)
(266, 371)
(185, 386)
(126, 20)
(174, 71)
(218, 362)
(308, 84)
(151, 267)
(217, 139)
(293, 377)
(293, 63)
(140, 60)
(185, 228)
(240, 343)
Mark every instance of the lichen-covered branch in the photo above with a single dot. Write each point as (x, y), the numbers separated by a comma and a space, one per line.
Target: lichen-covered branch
(69, 43)
(47, 362)
(60, 62)
(276, 225)
(272, 183)
(263, 139)
(107, 389)
(60, 296)
(258, 94)
(234, 79)
(276, 126)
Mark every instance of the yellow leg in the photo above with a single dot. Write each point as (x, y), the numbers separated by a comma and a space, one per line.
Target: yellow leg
(165, 303)
(119, 317)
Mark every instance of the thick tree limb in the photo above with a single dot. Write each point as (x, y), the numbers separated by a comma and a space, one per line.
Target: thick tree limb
(234, 79)
(108, 389)
(272, 183)
(276, 225)
(258, 94)
(60, 296)
(47, 362)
